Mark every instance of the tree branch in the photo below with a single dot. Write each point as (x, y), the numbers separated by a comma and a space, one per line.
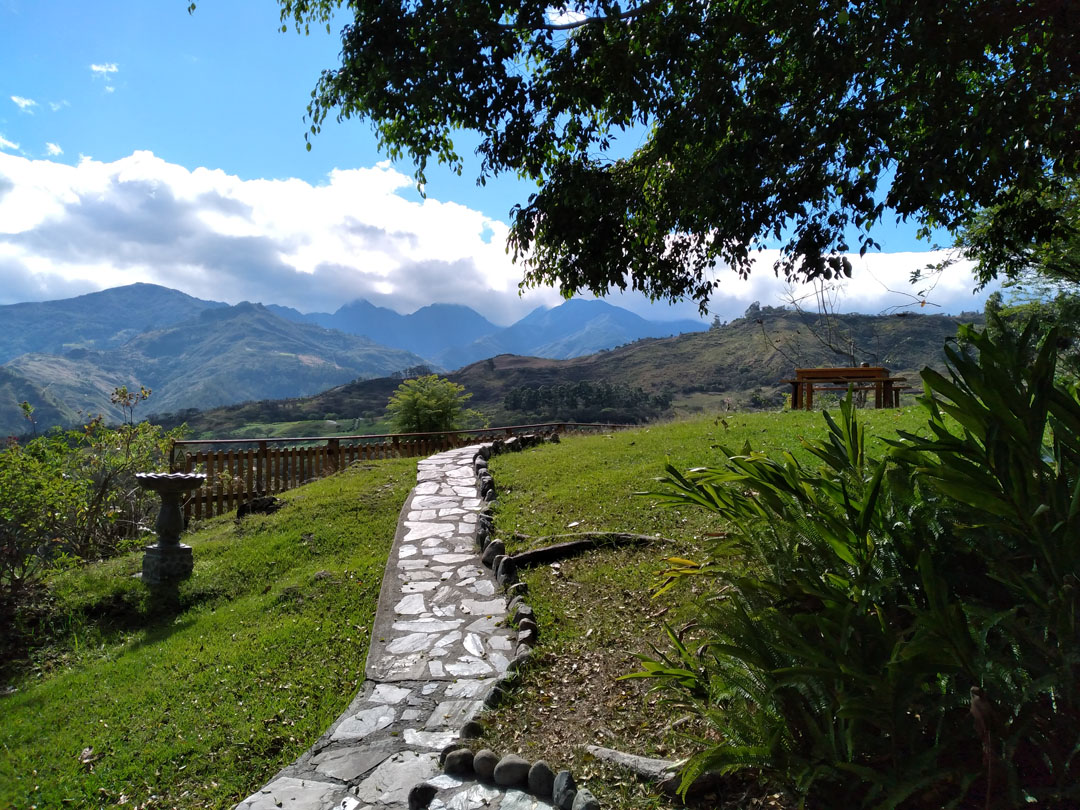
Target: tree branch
(587, 541)
(664, 772)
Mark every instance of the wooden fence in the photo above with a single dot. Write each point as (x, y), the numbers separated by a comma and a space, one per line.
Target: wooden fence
(243, 469)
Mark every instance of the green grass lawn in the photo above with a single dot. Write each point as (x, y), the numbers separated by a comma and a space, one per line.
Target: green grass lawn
(597, 611)
(588, 483)
(198, 707)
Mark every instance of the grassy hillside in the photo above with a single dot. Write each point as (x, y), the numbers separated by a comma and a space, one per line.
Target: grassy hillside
(101, 320)
(199, 707)
(597, 612)
(15, 388)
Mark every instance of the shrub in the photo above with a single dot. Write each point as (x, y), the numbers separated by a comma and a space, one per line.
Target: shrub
(71, 496)
(429, 404)
(900, 631)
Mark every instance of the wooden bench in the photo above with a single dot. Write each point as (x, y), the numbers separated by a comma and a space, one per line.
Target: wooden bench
(862, 378)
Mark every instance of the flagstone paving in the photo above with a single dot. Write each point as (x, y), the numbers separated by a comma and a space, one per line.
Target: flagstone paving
(440, 643)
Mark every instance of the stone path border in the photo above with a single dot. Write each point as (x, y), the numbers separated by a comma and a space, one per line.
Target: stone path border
(441, 644)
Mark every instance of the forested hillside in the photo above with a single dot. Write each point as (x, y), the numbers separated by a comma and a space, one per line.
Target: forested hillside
(735, 365)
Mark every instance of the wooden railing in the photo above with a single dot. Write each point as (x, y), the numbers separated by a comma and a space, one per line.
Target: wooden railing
(238, 470)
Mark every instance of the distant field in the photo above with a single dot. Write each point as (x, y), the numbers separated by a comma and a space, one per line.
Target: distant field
(303, 427)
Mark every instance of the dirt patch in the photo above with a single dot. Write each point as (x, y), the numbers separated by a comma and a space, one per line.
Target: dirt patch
(595, 613)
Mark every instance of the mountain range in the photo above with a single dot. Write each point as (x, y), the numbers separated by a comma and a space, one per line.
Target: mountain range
(220, 356)
(741, 364)
(451, 335)
(66, 357)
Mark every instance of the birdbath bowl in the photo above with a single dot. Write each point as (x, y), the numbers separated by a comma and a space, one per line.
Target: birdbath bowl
(168, 560)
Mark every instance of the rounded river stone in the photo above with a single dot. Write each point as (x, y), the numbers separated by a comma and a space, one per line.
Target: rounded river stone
(459, 763)
(522, 612)
(584, 800)
(421, 795)
(541, 779)
(512, 771)
(563, 790)
(471, 730)
(528, 624)
(456, 745)
(507, 571)
(484, 764)
(493, 549)
(527, 635)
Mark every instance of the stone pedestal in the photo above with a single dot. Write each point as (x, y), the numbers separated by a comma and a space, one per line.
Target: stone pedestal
(168, 563)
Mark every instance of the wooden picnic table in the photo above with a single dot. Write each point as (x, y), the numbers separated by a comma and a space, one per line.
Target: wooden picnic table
(886, 388)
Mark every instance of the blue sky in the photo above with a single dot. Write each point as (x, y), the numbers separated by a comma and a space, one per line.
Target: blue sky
(141, 143)
(221, 88)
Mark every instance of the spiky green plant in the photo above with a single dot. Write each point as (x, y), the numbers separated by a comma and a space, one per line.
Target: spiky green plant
(863, 599)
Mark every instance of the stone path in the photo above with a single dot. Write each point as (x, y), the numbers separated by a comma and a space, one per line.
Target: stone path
(440, 644)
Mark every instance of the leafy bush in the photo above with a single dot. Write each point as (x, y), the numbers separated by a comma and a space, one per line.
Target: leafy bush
(900, 631)
(429, 404)
(70, 496)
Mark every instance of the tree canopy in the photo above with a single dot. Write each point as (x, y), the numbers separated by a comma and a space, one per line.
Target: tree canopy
(757, 122)
(428, 404)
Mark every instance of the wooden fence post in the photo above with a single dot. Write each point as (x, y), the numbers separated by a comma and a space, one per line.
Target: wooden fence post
(261, 472)
(333, 451)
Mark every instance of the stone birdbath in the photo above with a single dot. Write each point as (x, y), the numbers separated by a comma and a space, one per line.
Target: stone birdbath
(168, 561)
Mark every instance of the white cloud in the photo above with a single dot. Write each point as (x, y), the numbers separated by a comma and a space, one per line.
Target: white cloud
(880, 284)
(56, 106)
(24, 104)
(105, 71)
(315, 247)
(565, 16)
(53, 149)
(6, 144)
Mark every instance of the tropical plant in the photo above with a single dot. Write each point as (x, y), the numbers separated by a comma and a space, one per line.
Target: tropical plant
(900, 631)
(1050, 304)
(429, 404)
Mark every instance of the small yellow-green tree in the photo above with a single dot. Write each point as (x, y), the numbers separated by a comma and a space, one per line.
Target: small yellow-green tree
(429, 404)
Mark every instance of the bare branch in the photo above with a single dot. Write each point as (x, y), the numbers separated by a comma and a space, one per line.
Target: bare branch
(587, 541)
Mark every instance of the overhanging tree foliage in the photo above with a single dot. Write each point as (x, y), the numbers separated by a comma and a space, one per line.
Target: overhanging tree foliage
(1031, 235)
(779, 120)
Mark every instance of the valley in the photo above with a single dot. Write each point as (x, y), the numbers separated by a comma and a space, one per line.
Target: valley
(734, 366)
(250, 370)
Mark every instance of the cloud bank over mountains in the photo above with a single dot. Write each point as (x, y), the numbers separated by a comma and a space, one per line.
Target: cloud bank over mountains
(67, 230)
